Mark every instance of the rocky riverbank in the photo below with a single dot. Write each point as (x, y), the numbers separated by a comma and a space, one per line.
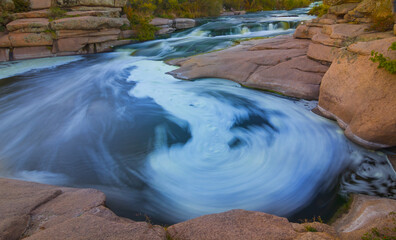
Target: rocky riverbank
(327, 59)
(60, 28)
(37, 211)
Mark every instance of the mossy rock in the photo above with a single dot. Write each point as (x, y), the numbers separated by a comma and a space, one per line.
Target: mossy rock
(338, 2)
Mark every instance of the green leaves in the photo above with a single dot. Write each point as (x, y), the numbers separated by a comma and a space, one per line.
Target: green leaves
(385, 62)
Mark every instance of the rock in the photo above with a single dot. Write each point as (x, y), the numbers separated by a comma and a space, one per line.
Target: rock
(163, 31)
(100, 3)
(4, 40)
(161, 22)
(366, 47)
(86, 23)
(330, 16)
(95, 8)
(342, 9)
(108, 14)
(77, 44)
(41, 4)
(17, 200)
(36, 211)
(326, 40)
(361, 97)
(304, 31)
(366, 213)
(120, 3)
(4, 54)
(394, 29)
(87, 33)
(32, 25)
(345, 31)
(30, 39)
(326, 21)
(184, 23)
(365, 8)
(338, 2)
(299, 77)
(22, 53)
(321, 52)
(276, 64)
(32, 14)
(108, 46)
(127, 34)
(235, 224)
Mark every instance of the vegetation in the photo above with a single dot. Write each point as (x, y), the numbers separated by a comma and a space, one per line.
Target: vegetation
(21, 5)
(56, 13)
(310, 228)
(383, 234)
(385, 62)
(319, 10)
(382, 16)
(5, 18)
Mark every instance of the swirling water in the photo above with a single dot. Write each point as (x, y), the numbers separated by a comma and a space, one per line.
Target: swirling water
(175, 149)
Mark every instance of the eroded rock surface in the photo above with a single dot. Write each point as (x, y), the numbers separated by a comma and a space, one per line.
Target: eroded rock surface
(37, 211)
(279, 64)
(360, 96)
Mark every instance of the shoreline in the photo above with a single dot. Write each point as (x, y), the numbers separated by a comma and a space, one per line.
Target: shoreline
(39, 211)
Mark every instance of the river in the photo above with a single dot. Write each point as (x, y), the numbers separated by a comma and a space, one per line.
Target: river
(173, 150)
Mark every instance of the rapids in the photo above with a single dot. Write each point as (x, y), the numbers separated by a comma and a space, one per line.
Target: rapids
(172, 149)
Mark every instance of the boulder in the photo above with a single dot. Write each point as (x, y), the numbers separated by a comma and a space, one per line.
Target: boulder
(277, 64)
(338, 2)
(304, 31)
(22, 53)
(78, 44)
(87, 23)
(345, 31)
(4, 54)
(235, 224)
(4, 40)
(120, 3)
(161, 22)
(299, 77)
(321, 52)
(87, 33)
(326, 40)
(184, 23)
(30, 39)
(32, 14)
(96, 13)
(163, 31)
(342, 9)
(100, 3)
(36, 211)
(360, 96)
(41, 4)
(367, 213)
(127, 34)
(30, 25)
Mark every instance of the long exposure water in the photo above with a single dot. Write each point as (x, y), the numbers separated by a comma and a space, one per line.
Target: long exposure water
(172, 149)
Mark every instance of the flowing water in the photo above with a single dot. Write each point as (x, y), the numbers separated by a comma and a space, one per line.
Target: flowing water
(172, 149)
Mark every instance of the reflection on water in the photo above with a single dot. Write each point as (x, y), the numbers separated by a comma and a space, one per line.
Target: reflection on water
(174, 149)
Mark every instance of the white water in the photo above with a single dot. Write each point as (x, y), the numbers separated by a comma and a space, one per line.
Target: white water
(175, 149)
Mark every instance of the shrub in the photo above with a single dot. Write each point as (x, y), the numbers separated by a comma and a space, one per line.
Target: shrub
(56, 13)
(21, 5)
(5, 18)
(319, 10)
(310, 228)
(386, 63)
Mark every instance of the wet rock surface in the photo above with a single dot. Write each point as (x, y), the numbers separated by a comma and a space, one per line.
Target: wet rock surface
(37, 211)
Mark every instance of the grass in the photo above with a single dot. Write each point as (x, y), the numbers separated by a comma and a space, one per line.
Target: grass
(310, 228)
(341, 210)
